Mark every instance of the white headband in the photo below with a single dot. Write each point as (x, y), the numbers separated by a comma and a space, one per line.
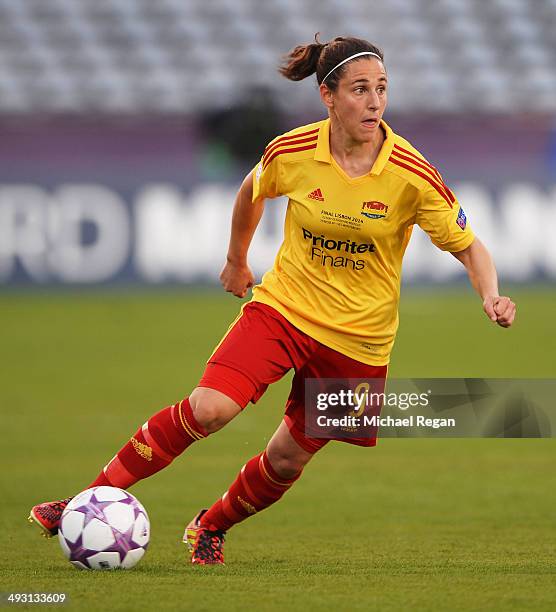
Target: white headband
(348, 59)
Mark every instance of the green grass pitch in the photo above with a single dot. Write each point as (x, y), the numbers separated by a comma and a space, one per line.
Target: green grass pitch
(410, 525)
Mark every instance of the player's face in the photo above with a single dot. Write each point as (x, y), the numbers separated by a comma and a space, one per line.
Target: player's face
(360, 98)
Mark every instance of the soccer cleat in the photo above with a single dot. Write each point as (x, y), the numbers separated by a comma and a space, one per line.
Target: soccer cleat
(204, 544)
(47, 516)
(190, 534)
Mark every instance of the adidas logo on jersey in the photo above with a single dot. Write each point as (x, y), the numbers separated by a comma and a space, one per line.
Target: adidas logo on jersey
(316, 195)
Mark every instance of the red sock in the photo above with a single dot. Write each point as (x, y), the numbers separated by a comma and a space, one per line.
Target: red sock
(256, 487)
(154, 446)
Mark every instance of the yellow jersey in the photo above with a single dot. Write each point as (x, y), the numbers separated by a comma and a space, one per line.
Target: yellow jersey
(337, 274)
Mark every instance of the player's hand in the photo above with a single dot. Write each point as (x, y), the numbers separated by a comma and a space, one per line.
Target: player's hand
(237, 278)
(499, 309)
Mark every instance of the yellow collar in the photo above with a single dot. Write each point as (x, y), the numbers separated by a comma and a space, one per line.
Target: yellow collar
(322, 152)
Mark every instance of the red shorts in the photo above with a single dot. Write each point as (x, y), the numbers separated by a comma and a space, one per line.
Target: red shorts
(260, 347)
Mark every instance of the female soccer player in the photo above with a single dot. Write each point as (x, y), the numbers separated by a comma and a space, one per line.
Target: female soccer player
(329, 306)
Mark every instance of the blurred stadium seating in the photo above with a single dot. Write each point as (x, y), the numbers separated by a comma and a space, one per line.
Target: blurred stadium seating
(126, 126)
(175, 56)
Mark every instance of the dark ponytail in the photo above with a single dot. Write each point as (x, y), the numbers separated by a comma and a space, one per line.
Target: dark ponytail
(305, 60)
(302, 61)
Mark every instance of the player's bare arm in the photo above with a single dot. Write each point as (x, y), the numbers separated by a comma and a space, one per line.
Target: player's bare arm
(482, 274)
(236, 276)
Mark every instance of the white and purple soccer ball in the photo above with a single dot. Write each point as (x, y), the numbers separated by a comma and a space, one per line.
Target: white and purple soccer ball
(104, 528)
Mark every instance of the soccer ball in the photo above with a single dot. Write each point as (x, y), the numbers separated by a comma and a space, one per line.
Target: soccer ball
(104, 528)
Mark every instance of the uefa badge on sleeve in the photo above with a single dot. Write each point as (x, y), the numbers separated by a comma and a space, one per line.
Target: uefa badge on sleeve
(461, 220)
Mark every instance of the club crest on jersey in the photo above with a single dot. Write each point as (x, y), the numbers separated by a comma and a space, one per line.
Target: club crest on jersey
(462, 219)
(374, 210)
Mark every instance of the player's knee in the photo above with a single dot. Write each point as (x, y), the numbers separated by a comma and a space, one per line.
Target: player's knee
(212, 409)
(284, 464)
